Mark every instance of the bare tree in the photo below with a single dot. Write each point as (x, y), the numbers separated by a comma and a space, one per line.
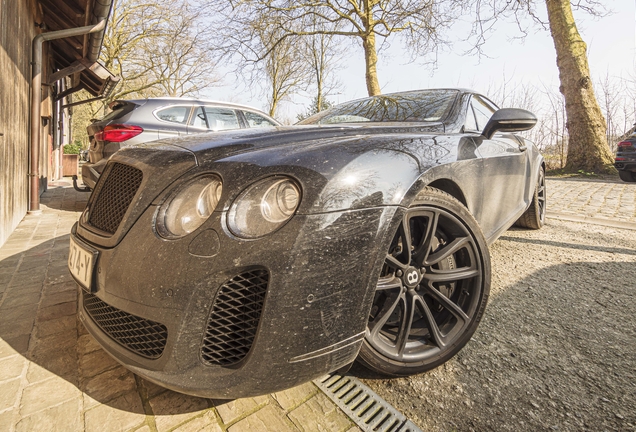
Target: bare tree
(132, 24)
(557, 129)
(420, 22)
(616, 95)
(323, 55)
(282, 73)
(179, 59)
(588, 149)
(609, 97)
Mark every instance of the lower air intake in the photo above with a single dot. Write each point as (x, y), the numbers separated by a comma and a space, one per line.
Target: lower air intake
(141, 336)
(234, 319)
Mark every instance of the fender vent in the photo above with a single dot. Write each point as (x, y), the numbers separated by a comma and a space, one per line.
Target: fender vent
(234, 318)
(113, 195)
(141, 336)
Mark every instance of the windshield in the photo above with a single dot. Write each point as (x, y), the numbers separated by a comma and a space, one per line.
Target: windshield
(412, 107)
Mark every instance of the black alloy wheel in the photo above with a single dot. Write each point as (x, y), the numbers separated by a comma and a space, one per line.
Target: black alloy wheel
(534, 216)
(432, 290)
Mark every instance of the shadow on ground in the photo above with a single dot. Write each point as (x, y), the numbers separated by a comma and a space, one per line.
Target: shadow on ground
(38, 319)
(555, 351)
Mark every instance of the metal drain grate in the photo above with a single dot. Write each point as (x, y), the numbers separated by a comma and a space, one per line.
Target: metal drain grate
(368, 410)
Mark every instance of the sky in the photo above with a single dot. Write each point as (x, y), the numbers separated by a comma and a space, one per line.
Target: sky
(611, 44)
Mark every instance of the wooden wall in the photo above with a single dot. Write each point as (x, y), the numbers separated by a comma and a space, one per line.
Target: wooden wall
(17, 30)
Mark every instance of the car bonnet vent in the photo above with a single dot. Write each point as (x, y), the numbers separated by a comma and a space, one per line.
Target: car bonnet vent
(113, 195)
(234, 318)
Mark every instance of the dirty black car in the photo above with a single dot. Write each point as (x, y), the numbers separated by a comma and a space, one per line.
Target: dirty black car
(239, 263)
(625, 161)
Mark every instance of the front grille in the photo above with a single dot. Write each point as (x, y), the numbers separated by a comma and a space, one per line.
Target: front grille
(113, 196)
(141, 336)
(234, 319)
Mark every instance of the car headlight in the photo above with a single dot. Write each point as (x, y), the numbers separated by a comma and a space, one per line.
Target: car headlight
(263, 207)
(188, 207)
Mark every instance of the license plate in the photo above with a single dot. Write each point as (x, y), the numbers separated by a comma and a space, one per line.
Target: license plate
(80, 263)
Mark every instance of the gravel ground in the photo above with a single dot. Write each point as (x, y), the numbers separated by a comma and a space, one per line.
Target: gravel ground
(556, 349)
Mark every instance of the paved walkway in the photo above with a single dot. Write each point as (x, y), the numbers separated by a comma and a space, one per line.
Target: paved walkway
(55, 377)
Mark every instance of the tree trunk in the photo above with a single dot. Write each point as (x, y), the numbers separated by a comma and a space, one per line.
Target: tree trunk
(371, 61)
(319, 96)
(272, 108)
(370, 53)
(587, 144)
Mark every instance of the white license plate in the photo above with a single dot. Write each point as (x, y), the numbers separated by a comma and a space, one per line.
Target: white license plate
(80, 264)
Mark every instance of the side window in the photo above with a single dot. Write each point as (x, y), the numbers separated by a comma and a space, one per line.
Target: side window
(483, 112)
(470, 124)
(178, 114)
(221, 118)
(254, 120)
(198, 119)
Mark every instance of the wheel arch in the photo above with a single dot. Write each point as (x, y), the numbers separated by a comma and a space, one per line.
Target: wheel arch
(451, 188)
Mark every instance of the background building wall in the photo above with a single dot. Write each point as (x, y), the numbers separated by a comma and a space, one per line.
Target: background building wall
(17, 30)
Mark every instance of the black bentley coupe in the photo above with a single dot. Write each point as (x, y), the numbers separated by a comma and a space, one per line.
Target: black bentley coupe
(238, 263)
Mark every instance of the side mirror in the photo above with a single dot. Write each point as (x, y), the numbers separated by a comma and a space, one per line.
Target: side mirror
(509, 120)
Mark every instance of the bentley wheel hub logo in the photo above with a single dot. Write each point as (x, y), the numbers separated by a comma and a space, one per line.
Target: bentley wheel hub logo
(411, 277)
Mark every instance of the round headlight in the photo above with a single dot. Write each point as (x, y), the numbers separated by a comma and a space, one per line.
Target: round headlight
(263, 207)
(187, 208)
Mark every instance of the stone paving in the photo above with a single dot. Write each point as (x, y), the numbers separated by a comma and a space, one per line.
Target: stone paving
(602, 200)
(55, 377)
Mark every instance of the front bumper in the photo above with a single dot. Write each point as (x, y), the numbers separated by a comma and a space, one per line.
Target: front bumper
(321, 272)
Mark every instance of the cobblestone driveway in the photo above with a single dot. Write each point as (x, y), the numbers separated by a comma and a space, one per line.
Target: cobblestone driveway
(53, 375)
(596, 201)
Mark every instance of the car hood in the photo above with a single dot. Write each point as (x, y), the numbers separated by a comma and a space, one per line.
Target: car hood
(212, 145)
(343, 167)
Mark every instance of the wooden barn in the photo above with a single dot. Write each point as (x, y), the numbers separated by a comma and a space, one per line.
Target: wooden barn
(48, 52)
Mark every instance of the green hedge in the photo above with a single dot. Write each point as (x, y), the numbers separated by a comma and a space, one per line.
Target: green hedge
(72, 148)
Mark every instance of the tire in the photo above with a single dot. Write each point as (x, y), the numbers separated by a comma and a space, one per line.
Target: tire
(627, 176)
(431, 296)
(534, 216)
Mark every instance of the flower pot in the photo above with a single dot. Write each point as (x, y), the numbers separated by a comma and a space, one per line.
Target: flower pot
(70, 163)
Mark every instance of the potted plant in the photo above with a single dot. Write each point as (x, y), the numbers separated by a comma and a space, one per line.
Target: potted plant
(70, 159)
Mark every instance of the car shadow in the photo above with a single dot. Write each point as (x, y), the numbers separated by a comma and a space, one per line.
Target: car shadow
(550, 243)
(59, 196)
(554, 351)
(602, 179)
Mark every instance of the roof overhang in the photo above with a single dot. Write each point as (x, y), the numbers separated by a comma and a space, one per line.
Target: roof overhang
(76, 57)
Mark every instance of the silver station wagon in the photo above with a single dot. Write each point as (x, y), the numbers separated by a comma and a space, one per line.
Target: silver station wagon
(138, 121)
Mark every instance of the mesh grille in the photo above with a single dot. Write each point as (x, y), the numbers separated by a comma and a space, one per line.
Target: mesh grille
(113, 196)
(141, 336)
(234, 319)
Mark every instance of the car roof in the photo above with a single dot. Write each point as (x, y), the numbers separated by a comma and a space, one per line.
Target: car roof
(160, 100)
